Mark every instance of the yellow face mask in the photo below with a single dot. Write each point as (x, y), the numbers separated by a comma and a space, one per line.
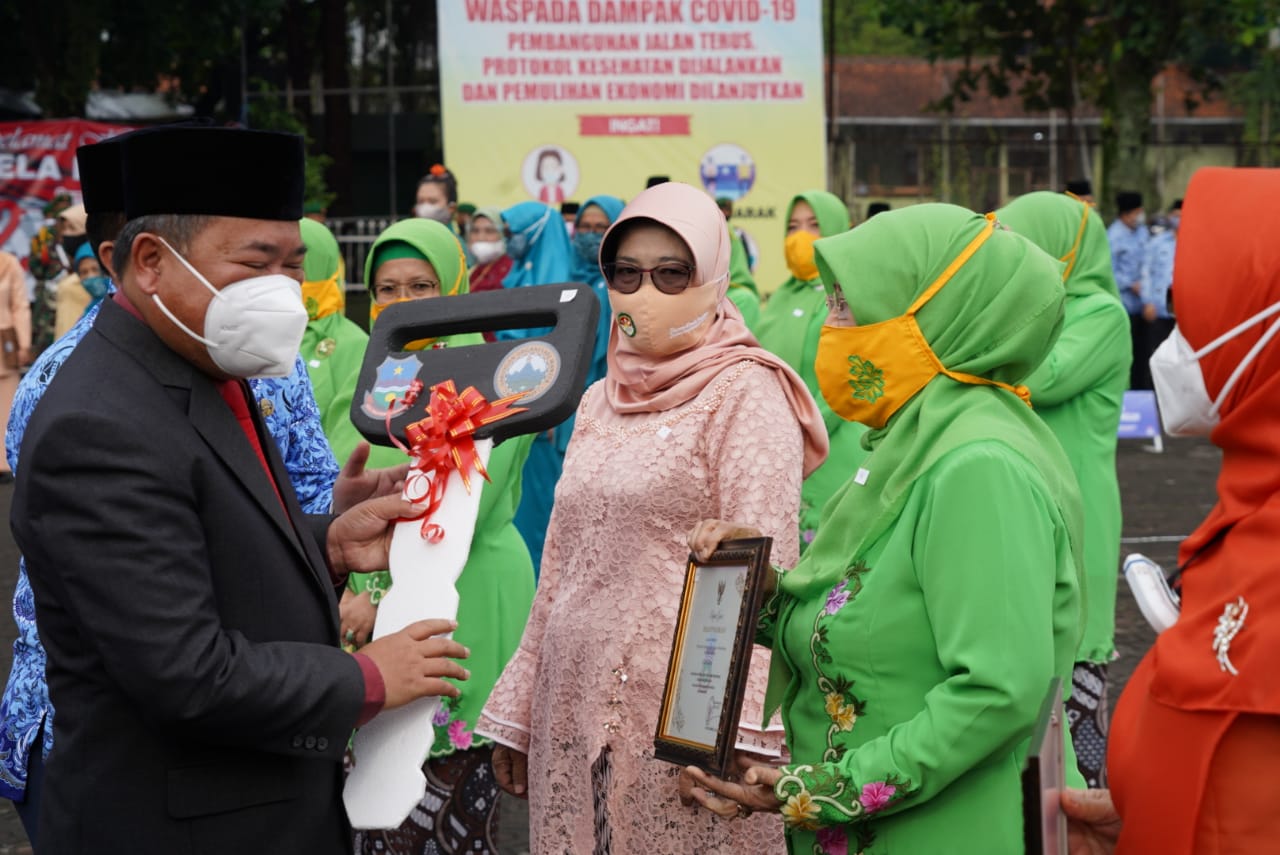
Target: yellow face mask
(799, 252)
(867, 373)
(323, 297)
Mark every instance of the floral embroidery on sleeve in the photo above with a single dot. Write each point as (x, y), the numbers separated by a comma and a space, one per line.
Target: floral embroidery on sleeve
(452, 732)
(842, 706)
(768, 622)
(821, 799)
(379, 582)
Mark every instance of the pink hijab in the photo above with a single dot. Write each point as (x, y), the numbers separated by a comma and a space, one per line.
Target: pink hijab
(637, 383)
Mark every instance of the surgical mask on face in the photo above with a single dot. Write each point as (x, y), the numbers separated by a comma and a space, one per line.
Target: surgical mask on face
(96, 286)
(519, 244)
(438, 213)
(252, 327)
(587, 245)
(1185, 406)
(486, 251)
(656, 324)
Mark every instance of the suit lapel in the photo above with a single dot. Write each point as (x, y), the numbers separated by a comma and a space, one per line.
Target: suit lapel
(315, 560)
(215, 422)
(217, 425)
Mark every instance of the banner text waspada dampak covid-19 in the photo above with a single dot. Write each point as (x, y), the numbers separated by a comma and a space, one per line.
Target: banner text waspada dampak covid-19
(560, 100)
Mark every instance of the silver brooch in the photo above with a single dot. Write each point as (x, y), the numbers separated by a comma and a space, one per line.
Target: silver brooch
(1229, 626)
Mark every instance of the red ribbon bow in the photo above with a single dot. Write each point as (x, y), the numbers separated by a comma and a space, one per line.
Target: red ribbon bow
(445, 441)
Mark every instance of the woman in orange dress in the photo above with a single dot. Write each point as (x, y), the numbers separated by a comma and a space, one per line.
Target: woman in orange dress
(1195, 748)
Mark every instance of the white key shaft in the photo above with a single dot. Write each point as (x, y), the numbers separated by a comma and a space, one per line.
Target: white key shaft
(387, 781)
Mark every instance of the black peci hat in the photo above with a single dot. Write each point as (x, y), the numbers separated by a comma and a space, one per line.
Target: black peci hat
(1080, 188)
(221, 172)
(1127, 201)
(100, 182)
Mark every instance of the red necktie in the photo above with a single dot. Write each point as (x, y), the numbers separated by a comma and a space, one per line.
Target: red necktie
(236, 395)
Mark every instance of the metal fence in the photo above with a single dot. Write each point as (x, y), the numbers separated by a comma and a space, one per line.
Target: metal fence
(355, 236)
(983, 163)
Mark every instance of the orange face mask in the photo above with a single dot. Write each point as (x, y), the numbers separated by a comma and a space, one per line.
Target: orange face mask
(323, 297)
(867, 373)
(798, 249)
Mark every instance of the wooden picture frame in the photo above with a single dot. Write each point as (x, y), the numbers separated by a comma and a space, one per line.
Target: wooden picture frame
(1044, 824)
(710, 656)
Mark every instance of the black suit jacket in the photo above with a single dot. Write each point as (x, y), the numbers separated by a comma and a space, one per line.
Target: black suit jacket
(203, 704)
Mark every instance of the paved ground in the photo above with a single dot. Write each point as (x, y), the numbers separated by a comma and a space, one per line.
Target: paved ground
(1165, 495)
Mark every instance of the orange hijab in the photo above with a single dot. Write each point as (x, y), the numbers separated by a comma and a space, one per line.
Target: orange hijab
(1224, 274)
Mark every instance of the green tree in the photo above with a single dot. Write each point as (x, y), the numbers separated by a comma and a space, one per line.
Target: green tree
(1255, 85)
(860, 30)
(191, 47)
(1063, 53)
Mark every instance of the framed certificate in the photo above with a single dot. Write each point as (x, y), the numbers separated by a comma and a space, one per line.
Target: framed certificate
(1044, 824)
(715, 629)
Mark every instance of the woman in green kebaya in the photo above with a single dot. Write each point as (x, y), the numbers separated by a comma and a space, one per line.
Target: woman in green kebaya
(1079, 392)
(333, 346)
(413, 260)
(916, 639)
(789, 326)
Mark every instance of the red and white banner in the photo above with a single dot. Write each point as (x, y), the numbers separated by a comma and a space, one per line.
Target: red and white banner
(38, 161)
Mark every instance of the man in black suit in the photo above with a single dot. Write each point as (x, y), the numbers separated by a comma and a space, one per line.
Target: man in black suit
(187, 604)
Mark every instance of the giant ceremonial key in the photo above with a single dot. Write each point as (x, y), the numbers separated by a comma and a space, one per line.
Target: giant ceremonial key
(447, 407)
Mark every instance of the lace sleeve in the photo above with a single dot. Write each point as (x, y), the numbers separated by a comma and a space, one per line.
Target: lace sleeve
(757, 455)
(507, 715)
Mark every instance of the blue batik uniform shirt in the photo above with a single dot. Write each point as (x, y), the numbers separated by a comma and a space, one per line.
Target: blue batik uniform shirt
(1128, 250)
(1157, 271)
(293, 420)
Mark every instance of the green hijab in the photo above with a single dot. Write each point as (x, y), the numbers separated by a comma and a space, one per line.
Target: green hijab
(739, 268)
(323, 256)
(997, 317)
(493, 215)
(833, 218)
(1052, 221)
(438, 245)
(833, 214)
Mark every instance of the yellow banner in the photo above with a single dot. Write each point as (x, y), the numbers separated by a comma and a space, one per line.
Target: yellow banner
(560, 100)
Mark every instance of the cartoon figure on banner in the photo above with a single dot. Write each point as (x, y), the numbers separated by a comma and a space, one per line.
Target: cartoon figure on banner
(727, 171)
(550, 174)
(395, 376)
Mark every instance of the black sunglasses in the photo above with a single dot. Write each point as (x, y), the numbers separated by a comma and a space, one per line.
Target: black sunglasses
(670, 277)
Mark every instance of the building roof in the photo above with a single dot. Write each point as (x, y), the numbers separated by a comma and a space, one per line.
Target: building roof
(904, 87)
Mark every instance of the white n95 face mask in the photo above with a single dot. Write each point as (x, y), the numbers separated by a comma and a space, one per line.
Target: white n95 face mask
(486, 251)
(253, 327)
(427, 211)
(1185, 406)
